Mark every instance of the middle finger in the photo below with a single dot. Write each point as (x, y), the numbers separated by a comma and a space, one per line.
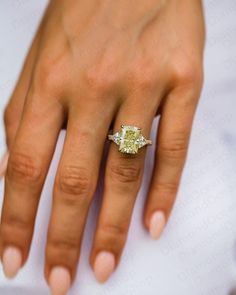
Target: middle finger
(73, 190)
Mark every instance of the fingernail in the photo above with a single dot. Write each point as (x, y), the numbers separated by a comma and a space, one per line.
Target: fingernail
(157, 224)
(11, 260)
(3, 164)
(104, 266)
(59, 280)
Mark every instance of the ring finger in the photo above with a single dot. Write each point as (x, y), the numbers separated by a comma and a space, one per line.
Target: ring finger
(122, 181)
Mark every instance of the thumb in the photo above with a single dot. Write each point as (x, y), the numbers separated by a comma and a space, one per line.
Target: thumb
(12, 118)
(3, 164)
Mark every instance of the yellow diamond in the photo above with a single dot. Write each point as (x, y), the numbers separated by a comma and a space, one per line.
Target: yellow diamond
(129, 136)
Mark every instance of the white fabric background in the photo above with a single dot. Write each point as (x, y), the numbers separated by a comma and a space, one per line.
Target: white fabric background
(197, 253)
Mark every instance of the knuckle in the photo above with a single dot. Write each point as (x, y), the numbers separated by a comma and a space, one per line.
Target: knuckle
(125, 173)
(63, 247)
(186, 71)
(143, 75)
(114, 230)
(16, 222)
(9, 117)
(50, 75)
(16, 231)
(173, 149)
(100, 78)
(23, 168)
(169, 188)
(67, 244)
(74, 180)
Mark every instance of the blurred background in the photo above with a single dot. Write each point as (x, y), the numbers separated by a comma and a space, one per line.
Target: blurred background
(197, 253)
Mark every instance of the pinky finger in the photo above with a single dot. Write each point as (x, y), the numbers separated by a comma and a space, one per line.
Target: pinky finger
(171, 150)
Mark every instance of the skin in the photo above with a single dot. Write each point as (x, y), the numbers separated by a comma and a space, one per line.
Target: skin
(95, 65)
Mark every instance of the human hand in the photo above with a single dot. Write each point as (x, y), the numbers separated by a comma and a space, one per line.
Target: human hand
(93, 65)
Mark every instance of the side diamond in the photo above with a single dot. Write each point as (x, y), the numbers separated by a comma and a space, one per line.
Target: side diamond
(117, 138)
(141, 141)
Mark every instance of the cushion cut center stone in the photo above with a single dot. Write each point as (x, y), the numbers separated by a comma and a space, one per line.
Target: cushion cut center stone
(129, 137)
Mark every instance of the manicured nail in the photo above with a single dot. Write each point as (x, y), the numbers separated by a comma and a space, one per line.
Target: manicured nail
(3, 164)
(11, 260)
(104, 266)
(157, 224)
(59, 280)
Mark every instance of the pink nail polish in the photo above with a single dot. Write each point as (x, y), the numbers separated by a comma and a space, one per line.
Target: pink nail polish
(3, 164)
(104, 266)
(11, 260)
(59, 280)
(157, 224)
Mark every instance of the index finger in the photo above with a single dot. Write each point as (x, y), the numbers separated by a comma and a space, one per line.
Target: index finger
(28, 164)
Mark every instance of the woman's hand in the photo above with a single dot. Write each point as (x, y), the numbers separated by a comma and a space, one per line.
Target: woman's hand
(96, 64)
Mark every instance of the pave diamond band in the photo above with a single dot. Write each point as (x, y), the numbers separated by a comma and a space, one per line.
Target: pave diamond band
(129, 139)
